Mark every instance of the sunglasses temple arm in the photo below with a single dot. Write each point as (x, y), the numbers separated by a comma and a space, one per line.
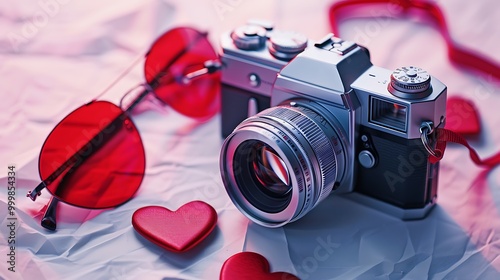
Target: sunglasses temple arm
(36, 191)
(49, 218)
(209, 67)
(101, 138)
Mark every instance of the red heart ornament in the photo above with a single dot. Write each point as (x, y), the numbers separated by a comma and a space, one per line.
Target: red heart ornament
(176, 231)
(462, 116)
(251, 266)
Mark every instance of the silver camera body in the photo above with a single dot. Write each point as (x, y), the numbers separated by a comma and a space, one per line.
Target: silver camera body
(304, 120)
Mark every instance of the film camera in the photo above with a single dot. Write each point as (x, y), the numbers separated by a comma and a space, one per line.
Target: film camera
(303, 120)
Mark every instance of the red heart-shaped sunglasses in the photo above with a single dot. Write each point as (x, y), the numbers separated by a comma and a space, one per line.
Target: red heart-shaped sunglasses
(94, 158)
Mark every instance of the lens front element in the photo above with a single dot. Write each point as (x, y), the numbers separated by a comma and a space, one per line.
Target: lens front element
(262, 176)
(271, 171)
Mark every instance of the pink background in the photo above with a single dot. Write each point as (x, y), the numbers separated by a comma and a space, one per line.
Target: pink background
(57, 55)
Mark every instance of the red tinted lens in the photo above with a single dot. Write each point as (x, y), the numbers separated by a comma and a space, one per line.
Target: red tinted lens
(110, 159)
(172, 56)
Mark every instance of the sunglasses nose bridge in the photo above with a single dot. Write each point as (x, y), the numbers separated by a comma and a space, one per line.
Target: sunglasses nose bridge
(144, 90)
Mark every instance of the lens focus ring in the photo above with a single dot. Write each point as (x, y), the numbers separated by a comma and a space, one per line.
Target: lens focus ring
(303, 120)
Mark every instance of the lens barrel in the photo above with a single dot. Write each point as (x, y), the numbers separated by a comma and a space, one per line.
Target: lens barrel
(279, 164)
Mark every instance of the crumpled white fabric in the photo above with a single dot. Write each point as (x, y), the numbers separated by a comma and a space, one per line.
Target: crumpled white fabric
(54, 63)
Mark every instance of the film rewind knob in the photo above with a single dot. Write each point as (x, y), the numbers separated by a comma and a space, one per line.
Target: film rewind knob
(249, 37)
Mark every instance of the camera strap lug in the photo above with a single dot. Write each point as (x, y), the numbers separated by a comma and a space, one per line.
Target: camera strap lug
(426, 130)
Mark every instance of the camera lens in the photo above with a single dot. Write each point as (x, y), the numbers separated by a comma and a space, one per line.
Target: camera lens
(271, 171)
(279, 164)
(262, 176)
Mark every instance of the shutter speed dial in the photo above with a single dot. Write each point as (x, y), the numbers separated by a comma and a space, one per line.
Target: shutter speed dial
(410, 82)
(286, 45)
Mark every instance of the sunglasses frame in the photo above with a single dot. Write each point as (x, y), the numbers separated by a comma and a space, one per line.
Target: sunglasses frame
(209, 67)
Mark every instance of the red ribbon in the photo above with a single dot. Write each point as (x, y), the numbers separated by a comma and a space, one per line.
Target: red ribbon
(457, 54)
(402, 8)
(446, 135)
